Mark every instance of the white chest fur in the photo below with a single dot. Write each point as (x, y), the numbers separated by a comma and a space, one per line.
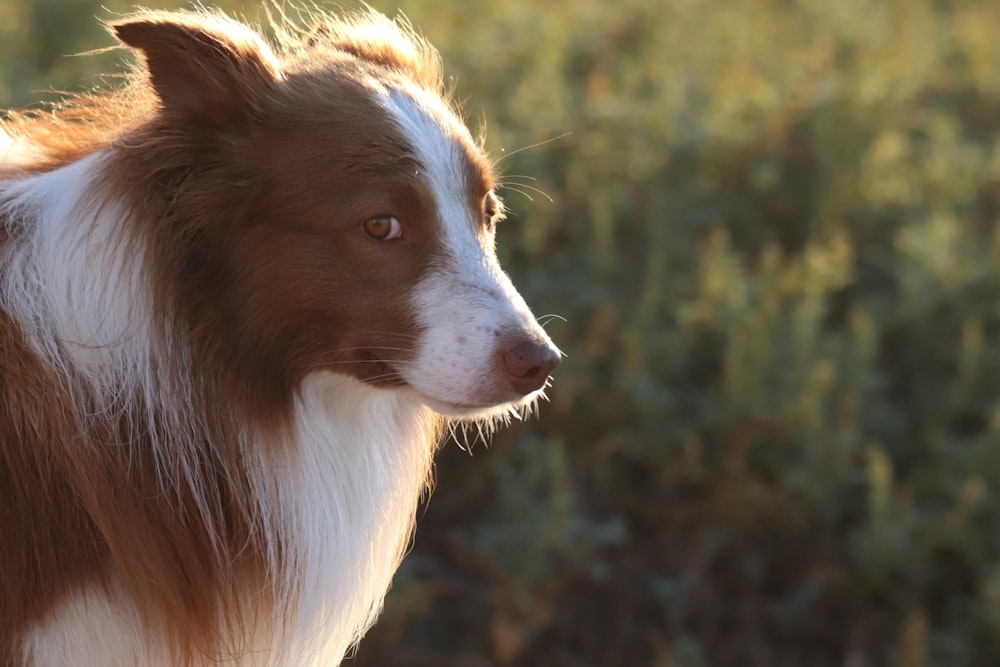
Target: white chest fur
(341, 504)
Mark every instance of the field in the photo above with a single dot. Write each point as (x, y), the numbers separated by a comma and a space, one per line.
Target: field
(771, 230)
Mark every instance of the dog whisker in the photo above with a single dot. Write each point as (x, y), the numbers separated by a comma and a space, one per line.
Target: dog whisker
(149, 350)
(544, 320)
(518, 191)
(507, 177)
(524, 188)
(534, 145)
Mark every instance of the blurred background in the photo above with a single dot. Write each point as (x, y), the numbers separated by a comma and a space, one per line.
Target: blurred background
(771, 230)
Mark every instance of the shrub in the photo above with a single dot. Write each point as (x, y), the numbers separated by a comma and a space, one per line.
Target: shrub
(773, 242)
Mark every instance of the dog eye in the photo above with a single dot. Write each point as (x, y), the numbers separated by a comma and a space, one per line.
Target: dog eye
(384, 227)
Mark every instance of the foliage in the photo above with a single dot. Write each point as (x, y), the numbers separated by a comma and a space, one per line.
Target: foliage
(774, 240)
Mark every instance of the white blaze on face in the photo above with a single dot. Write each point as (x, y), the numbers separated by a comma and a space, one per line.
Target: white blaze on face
(466, 305)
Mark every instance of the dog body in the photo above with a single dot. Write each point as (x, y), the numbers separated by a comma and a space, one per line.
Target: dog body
(239, 298)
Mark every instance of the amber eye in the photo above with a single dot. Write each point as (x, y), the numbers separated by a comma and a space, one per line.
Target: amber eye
(384, 227)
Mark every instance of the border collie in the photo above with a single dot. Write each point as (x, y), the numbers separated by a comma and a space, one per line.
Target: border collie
(240, 295)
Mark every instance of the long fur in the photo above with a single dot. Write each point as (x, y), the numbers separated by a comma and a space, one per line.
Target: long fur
(215, 438)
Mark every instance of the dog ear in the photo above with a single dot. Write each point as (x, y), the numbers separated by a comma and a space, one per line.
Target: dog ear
(201, 66)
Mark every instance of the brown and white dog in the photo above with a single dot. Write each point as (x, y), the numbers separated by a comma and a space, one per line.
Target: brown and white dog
(239, 296)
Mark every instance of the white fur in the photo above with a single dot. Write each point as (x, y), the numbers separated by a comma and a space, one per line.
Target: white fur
(345, 503)
(74, 281)
(95, 627)
(342, 497)
(73, 277)
(468, 304)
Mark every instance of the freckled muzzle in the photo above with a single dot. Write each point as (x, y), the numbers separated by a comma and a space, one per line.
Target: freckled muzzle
(480, 349)
(480, 346)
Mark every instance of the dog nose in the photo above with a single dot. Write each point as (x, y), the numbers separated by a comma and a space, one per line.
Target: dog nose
(527, 363)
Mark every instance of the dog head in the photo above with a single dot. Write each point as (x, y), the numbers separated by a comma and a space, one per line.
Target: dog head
(327, 210)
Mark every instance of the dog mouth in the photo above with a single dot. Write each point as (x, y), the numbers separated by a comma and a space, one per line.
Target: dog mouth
(378, 371)
(502, 410)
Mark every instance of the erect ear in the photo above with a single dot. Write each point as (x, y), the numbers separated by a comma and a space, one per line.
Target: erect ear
(201, 65)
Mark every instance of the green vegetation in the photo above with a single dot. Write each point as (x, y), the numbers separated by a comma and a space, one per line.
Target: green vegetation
(775, 241)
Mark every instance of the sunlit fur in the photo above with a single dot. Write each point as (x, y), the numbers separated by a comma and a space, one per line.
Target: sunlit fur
(223, 398)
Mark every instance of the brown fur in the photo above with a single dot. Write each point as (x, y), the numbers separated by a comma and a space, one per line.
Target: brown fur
(45, 528)
(233, 158)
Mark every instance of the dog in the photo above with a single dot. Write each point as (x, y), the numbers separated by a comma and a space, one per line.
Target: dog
(242, 293)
